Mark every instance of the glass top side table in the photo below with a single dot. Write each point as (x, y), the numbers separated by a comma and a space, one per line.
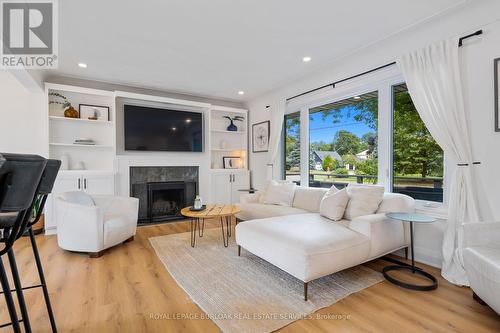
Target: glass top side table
(410, 218)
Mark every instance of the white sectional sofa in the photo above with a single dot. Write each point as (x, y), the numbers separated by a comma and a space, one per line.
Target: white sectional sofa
(305, 244)
(482, 261)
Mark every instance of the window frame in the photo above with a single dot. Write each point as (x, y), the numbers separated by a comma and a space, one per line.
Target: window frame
(382, 82)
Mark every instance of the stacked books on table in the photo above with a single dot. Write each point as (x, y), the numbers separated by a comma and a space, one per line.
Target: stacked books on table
(88, 142)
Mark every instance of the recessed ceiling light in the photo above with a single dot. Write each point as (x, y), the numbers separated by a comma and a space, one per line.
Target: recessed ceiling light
(188, 120)
(241, 92)
(174, 128)
(306, 59)
(82, 65)
(357, 97)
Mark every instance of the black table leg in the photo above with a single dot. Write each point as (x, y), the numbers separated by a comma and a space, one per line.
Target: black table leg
(225, 234)
(411, 268)
(192, 225)
(201, 227)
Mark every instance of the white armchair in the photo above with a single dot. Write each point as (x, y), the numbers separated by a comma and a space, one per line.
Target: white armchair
(94, 223)
(482, 261)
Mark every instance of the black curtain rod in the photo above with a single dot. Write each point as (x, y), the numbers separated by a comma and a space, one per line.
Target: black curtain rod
(460, 43)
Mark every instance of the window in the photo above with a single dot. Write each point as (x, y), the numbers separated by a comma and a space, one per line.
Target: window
(343, 142)
(292, 147)
(417, 160)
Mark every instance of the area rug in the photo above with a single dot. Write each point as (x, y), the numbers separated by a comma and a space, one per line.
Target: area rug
(247, 294)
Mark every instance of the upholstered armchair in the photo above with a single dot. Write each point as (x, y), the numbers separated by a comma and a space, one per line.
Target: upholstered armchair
(94, 223)
(482, 261)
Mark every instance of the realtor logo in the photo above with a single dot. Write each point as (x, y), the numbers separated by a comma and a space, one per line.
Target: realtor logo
(29, 34)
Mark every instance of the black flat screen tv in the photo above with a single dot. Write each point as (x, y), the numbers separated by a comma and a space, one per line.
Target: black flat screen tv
(155, 129)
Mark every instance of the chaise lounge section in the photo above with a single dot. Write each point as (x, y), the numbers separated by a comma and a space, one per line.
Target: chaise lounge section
(303, 243)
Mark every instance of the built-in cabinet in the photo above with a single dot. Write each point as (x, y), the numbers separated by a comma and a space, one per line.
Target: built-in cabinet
(227, 186)
(87, 167)
(227, 183)
(93, 168)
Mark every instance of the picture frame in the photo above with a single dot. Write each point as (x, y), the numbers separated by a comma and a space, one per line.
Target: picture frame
(496, 73)
(94, 112)
(260, 136)
(231, 162)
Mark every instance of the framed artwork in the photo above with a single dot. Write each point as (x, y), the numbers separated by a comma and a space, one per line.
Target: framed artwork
(497, 93)
(230, 162)
(260, 136)
(94, 112)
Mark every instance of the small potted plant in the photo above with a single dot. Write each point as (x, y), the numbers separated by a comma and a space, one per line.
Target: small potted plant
(232, 127)
(69, 110)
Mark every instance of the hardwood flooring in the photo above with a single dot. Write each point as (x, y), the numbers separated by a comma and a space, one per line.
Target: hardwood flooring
(129, 290)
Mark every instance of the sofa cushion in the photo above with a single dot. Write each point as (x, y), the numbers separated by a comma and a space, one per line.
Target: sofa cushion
(278, 193)
(251, 211)
(334, 203)
(308, 198)
(482, 265)
(78, 197)
(363, 200)
(307, 246)
(396, 203)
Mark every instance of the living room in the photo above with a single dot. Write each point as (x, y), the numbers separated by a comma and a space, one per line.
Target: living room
(192, 166)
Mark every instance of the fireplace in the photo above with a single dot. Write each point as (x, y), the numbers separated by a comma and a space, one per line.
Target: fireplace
(163, 191)
(166, 199)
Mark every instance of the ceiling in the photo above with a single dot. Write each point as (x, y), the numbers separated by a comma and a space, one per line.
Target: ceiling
(216, 48)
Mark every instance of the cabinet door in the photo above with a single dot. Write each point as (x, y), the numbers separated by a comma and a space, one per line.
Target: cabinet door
(240, 181)
(99, 183)
(221, 188)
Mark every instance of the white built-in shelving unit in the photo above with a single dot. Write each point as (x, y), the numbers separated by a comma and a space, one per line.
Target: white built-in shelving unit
(105, 164)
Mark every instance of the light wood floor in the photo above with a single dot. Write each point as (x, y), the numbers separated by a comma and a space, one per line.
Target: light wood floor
(121, 290)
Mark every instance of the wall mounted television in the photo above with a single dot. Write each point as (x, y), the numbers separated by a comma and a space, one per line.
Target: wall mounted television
(155, 129)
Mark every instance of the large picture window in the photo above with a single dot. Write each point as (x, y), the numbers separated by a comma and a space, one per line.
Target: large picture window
(292, 147)
(417, 166)
(343, 142)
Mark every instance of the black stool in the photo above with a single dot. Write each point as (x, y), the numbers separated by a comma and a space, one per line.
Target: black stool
(19, 179)
(44, 189)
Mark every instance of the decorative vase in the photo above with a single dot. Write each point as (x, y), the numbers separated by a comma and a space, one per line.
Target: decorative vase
(71, 112)
(79, 166)
(64, 162)
(197, 202)
(232, 127)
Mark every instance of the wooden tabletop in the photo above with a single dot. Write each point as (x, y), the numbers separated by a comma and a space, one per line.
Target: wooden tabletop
(212, 211)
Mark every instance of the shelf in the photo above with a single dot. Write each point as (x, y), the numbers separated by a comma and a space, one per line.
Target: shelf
(228, 132)
(57, 144)
(233, 149)
(80, 120)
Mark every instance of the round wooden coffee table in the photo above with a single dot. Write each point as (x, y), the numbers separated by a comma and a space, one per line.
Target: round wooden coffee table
(223, 212)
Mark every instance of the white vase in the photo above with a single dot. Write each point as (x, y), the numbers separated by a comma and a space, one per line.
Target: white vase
(79, 165)
(64, 162)
(223, 144)
(197, 202)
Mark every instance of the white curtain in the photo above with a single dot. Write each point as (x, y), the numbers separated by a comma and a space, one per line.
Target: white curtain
(277, 110)
(434, 83)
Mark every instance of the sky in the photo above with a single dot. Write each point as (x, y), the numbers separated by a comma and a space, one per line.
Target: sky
(324, 130)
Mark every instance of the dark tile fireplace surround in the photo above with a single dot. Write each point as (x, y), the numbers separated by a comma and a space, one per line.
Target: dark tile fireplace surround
(163, 191)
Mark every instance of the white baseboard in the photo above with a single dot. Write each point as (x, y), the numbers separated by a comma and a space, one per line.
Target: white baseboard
(425, 256)
(50, 231)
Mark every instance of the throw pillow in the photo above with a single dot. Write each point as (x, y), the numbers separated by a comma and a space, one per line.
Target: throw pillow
(279, 193)
(334, 203)
(363, 200)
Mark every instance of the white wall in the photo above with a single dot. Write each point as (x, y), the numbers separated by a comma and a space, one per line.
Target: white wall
(21, 117)
(478, 55)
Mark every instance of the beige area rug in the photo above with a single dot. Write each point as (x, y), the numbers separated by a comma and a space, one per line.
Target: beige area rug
(247, 294)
